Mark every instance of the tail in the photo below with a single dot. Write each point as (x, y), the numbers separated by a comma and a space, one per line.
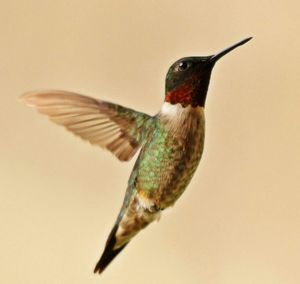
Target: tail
(109, 252)
(129, 223)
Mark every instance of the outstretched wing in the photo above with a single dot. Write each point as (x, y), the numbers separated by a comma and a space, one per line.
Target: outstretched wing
(120, 130)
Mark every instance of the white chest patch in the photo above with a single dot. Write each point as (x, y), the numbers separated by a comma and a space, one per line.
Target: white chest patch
(172, 110)
(177, 115)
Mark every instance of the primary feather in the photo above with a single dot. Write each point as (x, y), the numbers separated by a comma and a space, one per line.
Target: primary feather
(113, 127)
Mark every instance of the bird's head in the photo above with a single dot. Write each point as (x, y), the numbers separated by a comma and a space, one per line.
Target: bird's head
(188, 78)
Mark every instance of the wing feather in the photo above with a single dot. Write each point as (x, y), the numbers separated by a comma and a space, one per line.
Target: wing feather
(116, 128)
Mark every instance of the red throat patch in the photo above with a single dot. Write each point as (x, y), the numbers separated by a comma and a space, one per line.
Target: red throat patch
(182, 95)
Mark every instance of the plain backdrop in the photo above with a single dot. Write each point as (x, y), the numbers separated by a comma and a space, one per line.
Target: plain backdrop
(239, 220)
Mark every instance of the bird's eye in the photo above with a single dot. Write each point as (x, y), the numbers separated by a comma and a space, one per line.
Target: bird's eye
(184, 65)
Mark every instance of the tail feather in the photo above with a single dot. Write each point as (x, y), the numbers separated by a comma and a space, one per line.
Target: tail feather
(109, 252)
(135, 218)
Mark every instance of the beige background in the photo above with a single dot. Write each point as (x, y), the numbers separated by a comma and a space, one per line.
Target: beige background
(239, 220)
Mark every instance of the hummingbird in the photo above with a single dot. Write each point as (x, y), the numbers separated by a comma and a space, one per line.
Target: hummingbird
(170, 142)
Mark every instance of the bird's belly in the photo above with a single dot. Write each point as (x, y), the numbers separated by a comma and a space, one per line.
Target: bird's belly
(177, 177)
(169, 161)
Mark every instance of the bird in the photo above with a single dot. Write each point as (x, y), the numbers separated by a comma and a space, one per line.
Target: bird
(170, 143)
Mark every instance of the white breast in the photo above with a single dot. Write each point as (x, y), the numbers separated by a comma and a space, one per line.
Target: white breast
(177, 115)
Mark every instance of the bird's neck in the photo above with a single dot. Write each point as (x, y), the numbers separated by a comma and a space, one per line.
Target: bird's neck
(178, 118)
(182, 95)
(190, 92)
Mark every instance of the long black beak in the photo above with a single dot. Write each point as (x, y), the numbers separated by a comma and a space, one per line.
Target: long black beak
(217, 56)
